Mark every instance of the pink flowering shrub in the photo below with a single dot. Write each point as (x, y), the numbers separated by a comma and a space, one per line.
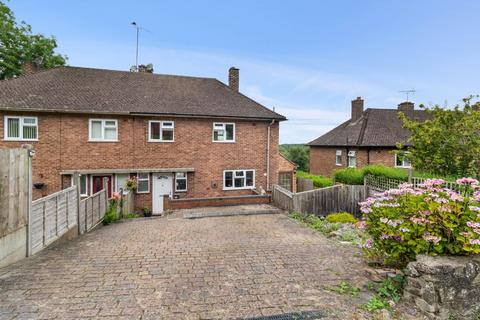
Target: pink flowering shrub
(428, 219)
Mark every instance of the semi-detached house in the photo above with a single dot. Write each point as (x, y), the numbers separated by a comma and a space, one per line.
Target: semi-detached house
(185, 137)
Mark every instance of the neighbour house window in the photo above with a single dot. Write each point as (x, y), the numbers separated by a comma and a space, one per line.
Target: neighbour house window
(21, 128)
(103, 130)
(224, 132)
(352, 159)
(238, 179)
(285, 180)
(143, 183)
(160, 131)
(402, 161)
(181, 181)
(338, 157)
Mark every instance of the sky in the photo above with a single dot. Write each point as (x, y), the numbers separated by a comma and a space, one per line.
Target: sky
(306, 59)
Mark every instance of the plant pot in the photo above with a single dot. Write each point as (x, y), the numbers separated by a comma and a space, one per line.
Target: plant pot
(147, 214)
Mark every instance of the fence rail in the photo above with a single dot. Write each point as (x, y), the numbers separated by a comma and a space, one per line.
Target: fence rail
(321, 201)
(92, 210)
(380, 184)
(52, 217)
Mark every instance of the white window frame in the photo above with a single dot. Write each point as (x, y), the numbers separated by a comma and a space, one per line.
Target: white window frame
(245, 178)
(181, 178)
(351, 154)
(403, 161)
(143, 179)
(224, 128)
(337, 154)
(102, 139)
(86, 185)
(161, 131)
(20, 128)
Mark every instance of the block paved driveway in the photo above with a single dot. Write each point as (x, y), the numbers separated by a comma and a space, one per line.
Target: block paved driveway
(173, 268)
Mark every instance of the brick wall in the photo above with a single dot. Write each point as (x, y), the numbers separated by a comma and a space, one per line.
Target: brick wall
(322, 159)
(63, 145)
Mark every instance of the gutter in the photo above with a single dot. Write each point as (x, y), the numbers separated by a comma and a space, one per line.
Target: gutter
(268, 153)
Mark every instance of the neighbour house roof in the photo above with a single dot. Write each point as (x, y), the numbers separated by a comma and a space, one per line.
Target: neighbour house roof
(86, 90)
(375, 128)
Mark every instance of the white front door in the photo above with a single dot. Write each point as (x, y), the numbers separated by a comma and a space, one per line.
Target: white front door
(162, 185)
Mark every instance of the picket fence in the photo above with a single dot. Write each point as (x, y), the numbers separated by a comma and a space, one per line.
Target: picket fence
(375, 184)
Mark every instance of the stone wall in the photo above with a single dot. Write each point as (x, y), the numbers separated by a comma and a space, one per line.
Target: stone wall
(445, 287)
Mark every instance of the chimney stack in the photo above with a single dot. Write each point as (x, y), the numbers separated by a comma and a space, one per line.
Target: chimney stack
(357, 108)
(406, 106)
(29, 67)
(233, 78)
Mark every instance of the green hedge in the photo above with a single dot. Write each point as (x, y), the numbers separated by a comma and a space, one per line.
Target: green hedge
(318, 181)
(356, 175)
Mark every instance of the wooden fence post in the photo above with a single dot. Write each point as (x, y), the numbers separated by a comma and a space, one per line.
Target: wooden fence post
(76, 183)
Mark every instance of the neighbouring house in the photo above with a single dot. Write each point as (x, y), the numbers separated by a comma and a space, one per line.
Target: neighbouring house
(185, 137)
(369, 137)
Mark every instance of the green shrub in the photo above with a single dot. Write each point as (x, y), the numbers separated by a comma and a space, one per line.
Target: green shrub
(342, 217)
(349, 176)
(405, 222)
(318, 181)
(355, 175)
(111, 213)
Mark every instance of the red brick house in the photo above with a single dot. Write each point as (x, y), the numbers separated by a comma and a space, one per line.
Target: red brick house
(368, 137)
(186, 137)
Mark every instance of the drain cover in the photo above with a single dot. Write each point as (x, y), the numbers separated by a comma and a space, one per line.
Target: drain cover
(304, 315)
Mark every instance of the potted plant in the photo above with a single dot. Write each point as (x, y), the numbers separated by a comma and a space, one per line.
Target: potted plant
(147, 212)
(131, 184)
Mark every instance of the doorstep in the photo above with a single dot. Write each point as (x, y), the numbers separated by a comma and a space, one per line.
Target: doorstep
(240, 210)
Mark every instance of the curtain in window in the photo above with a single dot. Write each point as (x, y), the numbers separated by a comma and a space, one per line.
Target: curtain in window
(13, 128)
(96, 129)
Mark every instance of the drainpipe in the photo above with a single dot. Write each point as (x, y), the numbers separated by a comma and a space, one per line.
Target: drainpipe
(268, 154)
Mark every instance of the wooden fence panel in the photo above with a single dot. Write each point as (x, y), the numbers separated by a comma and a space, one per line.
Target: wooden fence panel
(92, 210)
(282, 198)
(51, 218)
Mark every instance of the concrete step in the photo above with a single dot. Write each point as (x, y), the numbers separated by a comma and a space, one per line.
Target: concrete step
(226, 213)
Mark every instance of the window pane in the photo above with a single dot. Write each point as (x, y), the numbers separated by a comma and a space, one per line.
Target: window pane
(143, 176)
(110, 123)
(29, 132)
(181, 175)
(167, 134)
(407, 163)
(181, 185)
(239, 173)
(249, 178)
(228, 179)
(96, 130)
(154, 131)
(218, 135)
(229, 129)
(239, 182)
(167, 124)
(142, 186)
(31, 121)
(399, 160)
(13, 128)
(83, 184)
(110, 133)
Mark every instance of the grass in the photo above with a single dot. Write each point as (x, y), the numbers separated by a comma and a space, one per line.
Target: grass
(318, 181)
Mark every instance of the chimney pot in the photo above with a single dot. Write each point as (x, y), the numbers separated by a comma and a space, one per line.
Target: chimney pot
(406, 106)
(234, 78)
(29, 67)
(357, 109)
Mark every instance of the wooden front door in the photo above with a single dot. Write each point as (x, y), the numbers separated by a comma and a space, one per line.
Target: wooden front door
(97, 184)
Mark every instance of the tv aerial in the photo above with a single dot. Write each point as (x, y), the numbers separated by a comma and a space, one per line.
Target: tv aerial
(408, 92)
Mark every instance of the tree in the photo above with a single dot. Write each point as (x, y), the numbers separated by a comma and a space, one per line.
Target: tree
(18, 44)
(298, 154)
(449, 143)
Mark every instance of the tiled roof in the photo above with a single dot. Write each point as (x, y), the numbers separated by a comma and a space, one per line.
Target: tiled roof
(74, 89)
(375, 128)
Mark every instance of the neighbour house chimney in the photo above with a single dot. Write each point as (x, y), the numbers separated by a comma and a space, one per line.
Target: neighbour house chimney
(234, 78)
(357, 108)
(406, 106)
(29, 67)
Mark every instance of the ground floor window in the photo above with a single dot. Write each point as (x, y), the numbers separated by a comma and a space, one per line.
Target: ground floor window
(83, 185)
(352, 159)
(238, 179)
(143, 183)
(338, 157)
(402, 161)
(285, 180)
(180, 181)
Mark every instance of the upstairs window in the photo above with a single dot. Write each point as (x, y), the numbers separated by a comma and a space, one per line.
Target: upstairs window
(181, 182)
(402, 161)
(238, 179)
(160, 131)
(338, 157)
(103, 130)
(21, 128)
(224, 132)
(352, 159)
